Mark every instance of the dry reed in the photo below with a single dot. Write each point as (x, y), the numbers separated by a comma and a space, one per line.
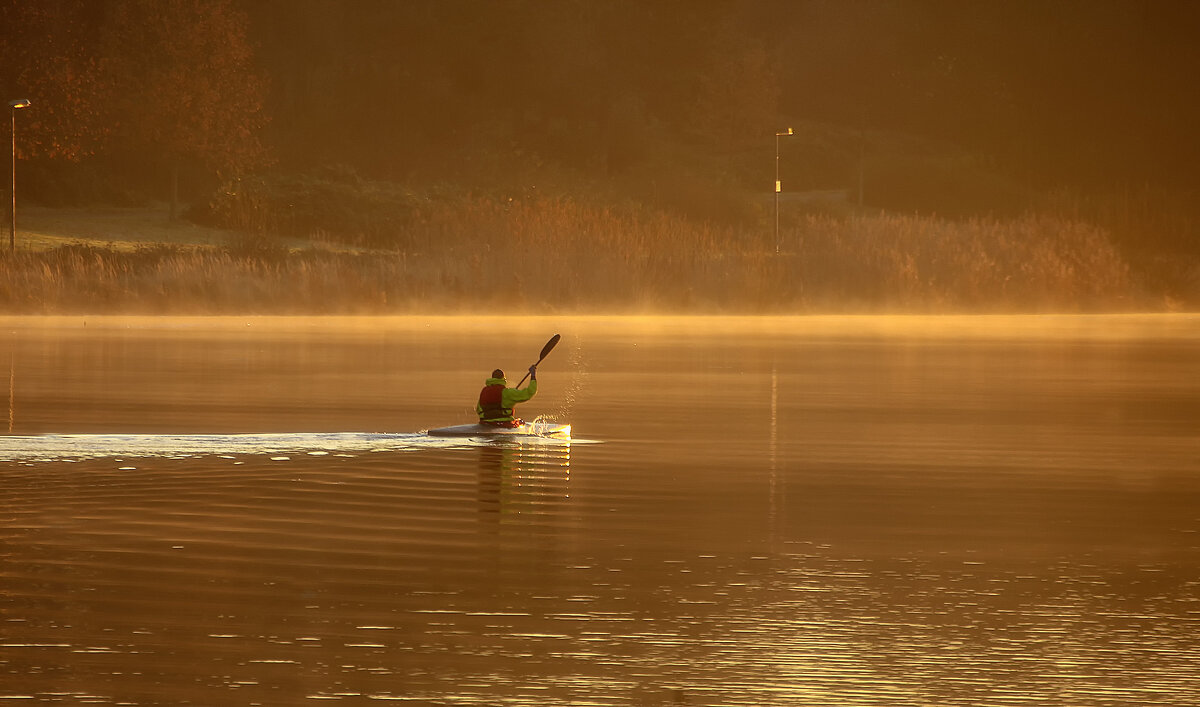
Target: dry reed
(556, 254)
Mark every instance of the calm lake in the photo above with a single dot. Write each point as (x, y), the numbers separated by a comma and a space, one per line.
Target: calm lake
(752, 511)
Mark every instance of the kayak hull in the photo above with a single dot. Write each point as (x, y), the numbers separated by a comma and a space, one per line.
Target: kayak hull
(528, 429)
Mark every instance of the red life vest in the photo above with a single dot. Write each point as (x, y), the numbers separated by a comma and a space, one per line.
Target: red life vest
(491, 402)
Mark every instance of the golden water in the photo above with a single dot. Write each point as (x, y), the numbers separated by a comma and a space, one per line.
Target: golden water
(762, 511)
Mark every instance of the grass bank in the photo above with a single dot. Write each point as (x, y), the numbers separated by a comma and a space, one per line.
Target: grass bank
(545, 254)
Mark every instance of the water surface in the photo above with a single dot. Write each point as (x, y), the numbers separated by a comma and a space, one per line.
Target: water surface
(792, 511)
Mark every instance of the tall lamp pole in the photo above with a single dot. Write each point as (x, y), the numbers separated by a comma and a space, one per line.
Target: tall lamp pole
(12, 224)
(778, 185)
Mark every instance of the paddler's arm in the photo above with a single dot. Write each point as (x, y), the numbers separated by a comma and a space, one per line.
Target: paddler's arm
(512, 396)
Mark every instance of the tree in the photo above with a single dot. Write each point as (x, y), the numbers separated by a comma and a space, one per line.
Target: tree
(739, 96)
(187, 89)
(47, 56)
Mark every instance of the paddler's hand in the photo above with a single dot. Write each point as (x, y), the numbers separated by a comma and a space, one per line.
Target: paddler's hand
(533, 372)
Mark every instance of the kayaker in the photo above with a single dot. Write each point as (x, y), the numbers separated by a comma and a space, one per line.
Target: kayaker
(496, 400)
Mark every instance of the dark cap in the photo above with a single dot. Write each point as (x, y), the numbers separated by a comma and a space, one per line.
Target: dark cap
(497, 373)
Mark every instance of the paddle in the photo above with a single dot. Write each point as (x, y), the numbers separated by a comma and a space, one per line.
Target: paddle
(545, 352)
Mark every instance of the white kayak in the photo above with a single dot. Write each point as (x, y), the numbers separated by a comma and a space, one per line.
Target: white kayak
(527, 429)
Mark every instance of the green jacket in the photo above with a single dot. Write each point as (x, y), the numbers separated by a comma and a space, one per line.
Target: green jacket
(508, 398)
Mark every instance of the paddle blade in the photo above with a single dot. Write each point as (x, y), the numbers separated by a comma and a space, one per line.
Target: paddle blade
(549, 347)
(545, 352)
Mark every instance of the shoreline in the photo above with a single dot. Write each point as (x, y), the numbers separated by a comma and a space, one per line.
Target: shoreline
(563, 257)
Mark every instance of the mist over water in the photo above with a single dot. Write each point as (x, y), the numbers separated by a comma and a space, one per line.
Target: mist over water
(770, 510)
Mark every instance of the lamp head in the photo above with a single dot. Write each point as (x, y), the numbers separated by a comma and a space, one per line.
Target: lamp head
(19, 103)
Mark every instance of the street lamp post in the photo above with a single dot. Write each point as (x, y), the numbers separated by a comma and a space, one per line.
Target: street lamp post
(12, 224)
(778, 185)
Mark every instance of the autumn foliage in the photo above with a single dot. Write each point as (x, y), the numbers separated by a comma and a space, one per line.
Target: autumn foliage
(150, 81)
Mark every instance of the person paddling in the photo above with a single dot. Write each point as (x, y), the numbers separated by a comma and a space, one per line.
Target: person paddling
(496, 400)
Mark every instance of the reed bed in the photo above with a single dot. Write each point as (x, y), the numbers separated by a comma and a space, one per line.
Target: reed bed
(557, 254)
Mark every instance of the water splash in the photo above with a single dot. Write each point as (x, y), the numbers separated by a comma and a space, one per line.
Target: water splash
(579, 379)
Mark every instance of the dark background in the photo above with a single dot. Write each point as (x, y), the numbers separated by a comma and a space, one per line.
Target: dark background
(1095, 97)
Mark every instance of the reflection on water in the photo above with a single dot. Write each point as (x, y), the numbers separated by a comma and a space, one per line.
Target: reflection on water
(12, 392)
(522, 479)
(851, 511)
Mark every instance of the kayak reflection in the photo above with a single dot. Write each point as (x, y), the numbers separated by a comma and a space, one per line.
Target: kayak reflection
(523, 482)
